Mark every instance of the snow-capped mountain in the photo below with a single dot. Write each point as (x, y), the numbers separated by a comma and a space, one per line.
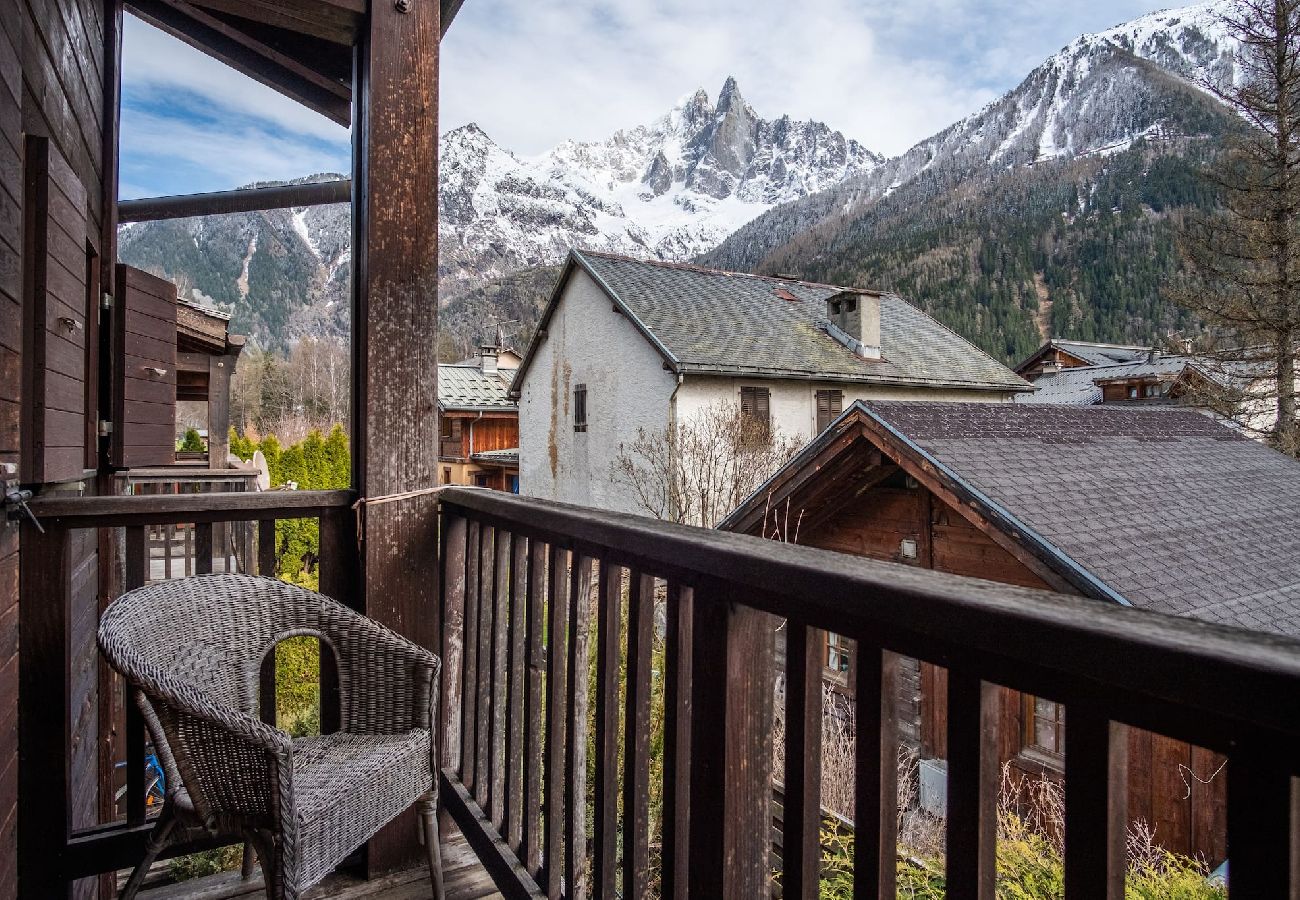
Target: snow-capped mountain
(1096, 96)
(670, 190)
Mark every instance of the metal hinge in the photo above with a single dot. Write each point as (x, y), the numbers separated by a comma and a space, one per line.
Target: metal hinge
(105, 428)
(15, 499)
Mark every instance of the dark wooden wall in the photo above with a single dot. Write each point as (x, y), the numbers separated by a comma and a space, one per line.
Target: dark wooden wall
(1168, 786)
(52, 96)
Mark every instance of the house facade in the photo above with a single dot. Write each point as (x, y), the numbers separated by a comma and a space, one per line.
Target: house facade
(627, 345)
(478, 438)
(1160, 509)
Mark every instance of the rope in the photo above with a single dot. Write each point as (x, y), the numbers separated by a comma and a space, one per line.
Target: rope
(359, 507)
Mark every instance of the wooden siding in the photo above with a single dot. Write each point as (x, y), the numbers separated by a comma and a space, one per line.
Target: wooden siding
(494, 431)
(56, 318)
(1177, 789)
(144, 341)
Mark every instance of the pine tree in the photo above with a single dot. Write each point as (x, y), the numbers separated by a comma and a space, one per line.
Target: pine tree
(1246, 258)
(193, 442)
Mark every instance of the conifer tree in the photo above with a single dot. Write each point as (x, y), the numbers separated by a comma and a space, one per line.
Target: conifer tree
(1246, 258)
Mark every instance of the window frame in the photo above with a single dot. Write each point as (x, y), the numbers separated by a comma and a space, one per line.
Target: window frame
(580, 408)
(1029, 730)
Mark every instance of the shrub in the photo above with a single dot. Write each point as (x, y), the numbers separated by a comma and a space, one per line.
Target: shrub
(192, 442)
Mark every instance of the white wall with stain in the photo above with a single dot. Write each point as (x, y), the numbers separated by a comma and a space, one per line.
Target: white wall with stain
(587, 342)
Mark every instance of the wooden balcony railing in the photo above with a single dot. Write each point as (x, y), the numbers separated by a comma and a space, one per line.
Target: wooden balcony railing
(549, 615)
(70, 828)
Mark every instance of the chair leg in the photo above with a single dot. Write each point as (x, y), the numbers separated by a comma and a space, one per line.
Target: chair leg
(246, 870)
(428, 804)
(276, 889)
(158, 839)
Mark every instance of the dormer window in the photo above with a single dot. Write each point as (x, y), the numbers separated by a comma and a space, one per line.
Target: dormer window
(851, 304)
(835, 307)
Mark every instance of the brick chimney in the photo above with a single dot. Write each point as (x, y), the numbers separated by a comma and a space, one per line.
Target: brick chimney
(855, 322)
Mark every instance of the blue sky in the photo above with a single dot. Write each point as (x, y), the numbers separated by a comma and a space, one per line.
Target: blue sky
(534, 73)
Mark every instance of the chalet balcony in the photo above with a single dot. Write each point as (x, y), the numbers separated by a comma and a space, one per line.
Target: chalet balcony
(607, 704)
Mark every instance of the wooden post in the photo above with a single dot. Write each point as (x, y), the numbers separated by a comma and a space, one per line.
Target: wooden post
(220, 370)
(44, 729)
(731, 759)
(395, 306)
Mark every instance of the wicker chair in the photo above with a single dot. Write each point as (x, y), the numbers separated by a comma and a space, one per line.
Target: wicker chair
(192, 650)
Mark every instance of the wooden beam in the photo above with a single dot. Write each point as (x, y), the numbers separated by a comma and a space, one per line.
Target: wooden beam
(183, 206)
(338, 21)
(395, 296)
(244, 53)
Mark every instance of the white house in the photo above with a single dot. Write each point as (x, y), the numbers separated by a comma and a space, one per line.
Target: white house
(626, 344)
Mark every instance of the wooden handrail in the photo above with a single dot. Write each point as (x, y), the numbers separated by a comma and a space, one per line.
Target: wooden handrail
(173, 509)
(1160, 672)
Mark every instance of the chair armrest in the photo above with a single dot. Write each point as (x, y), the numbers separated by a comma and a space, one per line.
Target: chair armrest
(387, 681)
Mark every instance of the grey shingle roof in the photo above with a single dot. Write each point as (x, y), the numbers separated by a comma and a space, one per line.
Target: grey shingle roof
(1076, 387)
(1169, 509)
(710, 321)
(1102, 354)
(465, 387)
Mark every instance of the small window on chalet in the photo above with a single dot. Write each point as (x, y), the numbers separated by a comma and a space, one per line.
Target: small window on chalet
(755, 409)
(1151, 390)
(1133, 393)
(446, 475)
(829, 405)
(837, 654)
(580, 408)
(1044, 726)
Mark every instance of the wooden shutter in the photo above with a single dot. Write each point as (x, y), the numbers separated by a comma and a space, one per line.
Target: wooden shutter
(580, 408)
(144, 348)
(829, 405)
(54, 327)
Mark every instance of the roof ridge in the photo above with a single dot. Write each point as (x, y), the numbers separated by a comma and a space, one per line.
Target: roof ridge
(704, 270)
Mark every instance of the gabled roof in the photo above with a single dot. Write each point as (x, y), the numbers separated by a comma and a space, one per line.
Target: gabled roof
(1159, 508)
(1090, 353)
(703, 321)
(1078, 386)
(467, 388)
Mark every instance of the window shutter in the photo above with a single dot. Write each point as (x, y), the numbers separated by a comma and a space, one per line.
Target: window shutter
(56, 322)
(580, 407)
(761, 410)
(829, 405)
(144, 400)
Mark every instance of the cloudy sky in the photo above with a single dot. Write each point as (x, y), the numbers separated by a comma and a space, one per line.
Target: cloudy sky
(534, 73)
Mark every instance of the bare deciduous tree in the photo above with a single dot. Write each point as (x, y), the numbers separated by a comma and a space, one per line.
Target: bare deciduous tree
(696, 472)
(1245, 259)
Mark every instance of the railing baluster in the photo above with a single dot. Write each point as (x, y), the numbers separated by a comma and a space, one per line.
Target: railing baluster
(486, 665)
(266, 549)
(535, 593)
(608, 674)
(675, 856)
(801, 818)
(1259, 823)
(469, 675)
(335, 568)
(556, 666)
(1096, 806)
(500, 675)
(636, 755)
(515, 694)
(137, 574)
(971, 865)
(576, 870)
(202, 534)
(454, 539)
(875, 787)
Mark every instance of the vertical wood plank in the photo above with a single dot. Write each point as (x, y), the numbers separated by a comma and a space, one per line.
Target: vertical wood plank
(636, 762)
(608, 676)
(486, 665)
(266, 548)
(679, 619)
(44, 729)
(514, 753)
(535, 651)
(469, 674)
(553, 775)
(801, 817)
(202, 548)
(1259, 825)
(501, 555)
(971, 828)
(731, 748)
(453, 538)
(875, 789)
(337, 571)
(577, 872)
(137, 575)
(1096, 806)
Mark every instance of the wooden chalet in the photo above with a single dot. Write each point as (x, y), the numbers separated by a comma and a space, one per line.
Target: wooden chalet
(1139, 508)
(478, 440)
(524, 600)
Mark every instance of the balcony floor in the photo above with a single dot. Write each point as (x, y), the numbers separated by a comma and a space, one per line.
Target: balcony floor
(465, 879)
